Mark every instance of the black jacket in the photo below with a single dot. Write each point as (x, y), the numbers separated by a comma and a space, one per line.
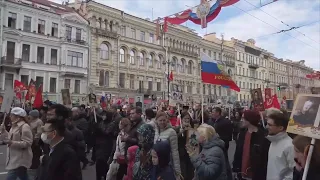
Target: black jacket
(62, 164)
(259, 148)
(104, 135)
(133, 135)
(77, 138)
(224, 128)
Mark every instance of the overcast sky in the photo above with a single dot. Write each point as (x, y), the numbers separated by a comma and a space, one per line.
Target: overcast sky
(244, 21)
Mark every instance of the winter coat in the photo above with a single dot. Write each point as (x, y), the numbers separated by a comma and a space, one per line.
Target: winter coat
(259, 147)
(19, 153)
(133, 135)
(77, 138)
(313, 174)
(281, 157)
(82, 124)
(187, 170)
(169, 134)
(211, 163)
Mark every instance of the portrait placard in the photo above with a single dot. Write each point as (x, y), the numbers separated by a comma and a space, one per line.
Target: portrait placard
(92, 99)
(66, 98)
(192, 139)
(7, 99)
(257, 99)
(305, 116)
(139, 101)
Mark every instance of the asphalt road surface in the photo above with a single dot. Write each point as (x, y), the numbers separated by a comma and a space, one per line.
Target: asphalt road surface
(89, 172)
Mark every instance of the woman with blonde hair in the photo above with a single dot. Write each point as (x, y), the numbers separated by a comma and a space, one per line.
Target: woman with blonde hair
(301, 149)
(212, 162)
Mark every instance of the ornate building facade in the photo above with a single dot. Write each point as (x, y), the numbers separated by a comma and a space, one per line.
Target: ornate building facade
(46, 42)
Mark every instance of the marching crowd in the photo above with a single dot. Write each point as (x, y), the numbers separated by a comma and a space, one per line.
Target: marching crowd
(52, 143)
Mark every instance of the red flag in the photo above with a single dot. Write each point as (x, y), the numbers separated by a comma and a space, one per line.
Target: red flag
(38, 102)
(276, 102)
(31, 90)
(170, 76)
(268, 99)
(18, 87)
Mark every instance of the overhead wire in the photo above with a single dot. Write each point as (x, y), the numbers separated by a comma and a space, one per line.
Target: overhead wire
(291, 27)
(275, 27)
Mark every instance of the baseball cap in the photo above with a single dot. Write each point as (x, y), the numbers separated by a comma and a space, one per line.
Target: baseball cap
(18, 112)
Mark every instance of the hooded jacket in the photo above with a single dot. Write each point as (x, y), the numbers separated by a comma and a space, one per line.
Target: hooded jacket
(132, 155)
(211, 163)
(163, 170)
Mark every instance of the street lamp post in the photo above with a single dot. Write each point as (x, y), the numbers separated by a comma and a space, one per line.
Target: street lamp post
(168, 62)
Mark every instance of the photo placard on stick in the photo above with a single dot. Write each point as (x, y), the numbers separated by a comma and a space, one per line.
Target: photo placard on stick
(305, 116)
(257, 99)
(92, 100)
(139, 101)
(7, 100)
(66, 98)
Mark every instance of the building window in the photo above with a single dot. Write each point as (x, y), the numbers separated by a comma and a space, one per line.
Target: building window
(54, 30)
(132, 57)
(190, 66)
(131, 81)
(54, 56)
(10, 51)
(210, 53)
(75, 59)
(8, 80)
(104, 51)
(122, 55)
(78, 34)
(12, 20)
(40, 55)
(150, 60)
(24, 79)
(142, 36)
(53, 85)
(141, 85)
(106, 78)
(123, 31)
(121, 80)
(189, 89)
(67, 83)
(182, 66)
(159, 62)
(133, 33)
(25, 52)
(68, 32)
(151, 39)
(39, 81)
(141, 61)
(101, 78)
(77, 86)
(41, 26)
(158, 86)
(150, 85)
(27, 24)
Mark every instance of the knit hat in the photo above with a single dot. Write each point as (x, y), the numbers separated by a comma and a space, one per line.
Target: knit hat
(34, 113)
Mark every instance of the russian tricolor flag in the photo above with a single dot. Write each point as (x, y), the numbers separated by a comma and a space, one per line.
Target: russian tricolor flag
(212, 73)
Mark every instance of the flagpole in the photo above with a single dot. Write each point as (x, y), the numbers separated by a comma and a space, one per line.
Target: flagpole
(202, 101)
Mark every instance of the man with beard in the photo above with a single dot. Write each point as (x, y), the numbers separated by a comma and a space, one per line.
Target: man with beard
(131, 138)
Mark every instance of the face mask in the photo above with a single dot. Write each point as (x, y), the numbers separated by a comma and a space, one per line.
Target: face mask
(44, 138)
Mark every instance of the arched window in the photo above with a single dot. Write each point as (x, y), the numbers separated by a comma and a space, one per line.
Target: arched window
(190, 67)
(183, 65)
(150, 63)
(174, 64)
(104, 51)
(141, 61)
(132, 57)
(106, 78)
(122, 55)
(159, 62)
(101, 78)
(229, 72)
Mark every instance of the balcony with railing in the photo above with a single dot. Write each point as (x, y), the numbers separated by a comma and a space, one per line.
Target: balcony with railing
(11, 62)
(283, 84)
(230, 63)
(76, 41)
(253, 66)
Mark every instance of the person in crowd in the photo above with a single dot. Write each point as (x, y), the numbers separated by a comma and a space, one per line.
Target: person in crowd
(36, 127)
(161, 162)
(211, 162)
(187, 170)
(197, 119)
(43, 113)
(236, 125)
(116, 117)
(172, 116)
(79, 120)
(19, 142)
(131, 138)
(164, 132)
(91, 135)
(62, 162)
(222, 126)
(150, 117)
(78, 138)
(142, 168)
(131, 156)
(119, 155)
(251, 155)
(104, 133)
(281, 151)
(57, 111)
(301, 148)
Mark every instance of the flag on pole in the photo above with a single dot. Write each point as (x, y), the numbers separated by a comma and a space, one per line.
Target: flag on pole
(212, 73)
(18, 88)
(31, 90)
(38, 101)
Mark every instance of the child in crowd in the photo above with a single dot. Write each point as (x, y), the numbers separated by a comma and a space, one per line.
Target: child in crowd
(161, 159)
(131, 155)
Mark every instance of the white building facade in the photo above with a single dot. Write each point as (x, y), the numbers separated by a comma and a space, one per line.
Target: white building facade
(46, 42)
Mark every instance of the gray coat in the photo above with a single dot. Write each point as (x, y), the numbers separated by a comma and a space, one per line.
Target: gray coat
(210, 163)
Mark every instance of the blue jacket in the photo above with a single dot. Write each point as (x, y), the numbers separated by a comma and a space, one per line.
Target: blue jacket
(211, 163)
